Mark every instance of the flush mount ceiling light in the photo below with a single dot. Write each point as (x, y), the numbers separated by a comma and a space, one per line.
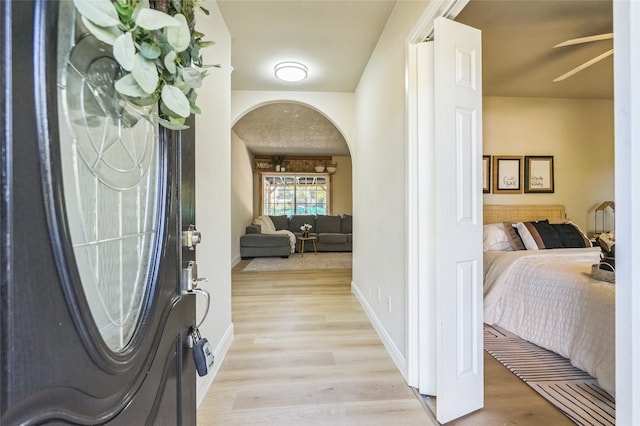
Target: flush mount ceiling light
(290, 71)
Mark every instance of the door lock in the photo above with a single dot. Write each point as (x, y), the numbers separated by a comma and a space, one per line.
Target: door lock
(191, 237)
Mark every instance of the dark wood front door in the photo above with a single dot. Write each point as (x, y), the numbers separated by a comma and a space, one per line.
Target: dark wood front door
(94, 323)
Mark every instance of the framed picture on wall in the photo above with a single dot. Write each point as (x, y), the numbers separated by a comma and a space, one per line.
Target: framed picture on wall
(538, 174)
(507, 174)
(486, 174)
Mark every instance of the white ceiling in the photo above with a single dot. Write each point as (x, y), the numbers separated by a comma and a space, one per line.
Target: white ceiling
(335, 38)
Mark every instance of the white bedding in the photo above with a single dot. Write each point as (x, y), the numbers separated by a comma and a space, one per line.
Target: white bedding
(549, 298)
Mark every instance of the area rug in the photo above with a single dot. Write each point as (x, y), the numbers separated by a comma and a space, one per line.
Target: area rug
(569, 389)
(295, 261)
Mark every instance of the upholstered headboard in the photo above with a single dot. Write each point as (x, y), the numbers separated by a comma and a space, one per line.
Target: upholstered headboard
(495, 213)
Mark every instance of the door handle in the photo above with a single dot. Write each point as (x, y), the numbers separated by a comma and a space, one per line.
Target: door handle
(190, 282)
(190, 279)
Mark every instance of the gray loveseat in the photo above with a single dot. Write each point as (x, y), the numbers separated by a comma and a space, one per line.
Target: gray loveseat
(334, 233)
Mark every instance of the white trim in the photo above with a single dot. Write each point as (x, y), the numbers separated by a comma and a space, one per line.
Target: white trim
(413, 222)
(235, 260)
(436, 9)
(626, 28)
(426, 297)
(219, 353)
(396, 355)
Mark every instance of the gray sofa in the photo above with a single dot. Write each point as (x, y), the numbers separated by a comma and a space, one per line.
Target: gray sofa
(334, 233)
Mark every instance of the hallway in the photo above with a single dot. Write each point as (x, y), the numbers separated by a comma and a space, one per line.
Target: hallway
(305, 353)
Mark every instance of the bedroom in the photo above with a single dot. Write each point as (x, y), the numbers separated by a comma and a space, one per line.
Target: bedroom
(577, 133)
(571, 120)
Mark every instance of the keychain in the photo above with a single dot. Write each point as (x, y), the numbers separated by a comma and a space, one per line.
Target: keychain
(202, 353)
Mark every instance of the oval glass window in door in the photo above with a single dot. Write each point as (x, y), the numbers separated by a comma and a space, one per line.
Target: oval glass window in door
(110, 167)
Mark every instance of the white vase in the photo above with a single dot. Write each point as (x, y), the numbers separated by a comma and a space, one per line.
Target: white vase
(277, 167)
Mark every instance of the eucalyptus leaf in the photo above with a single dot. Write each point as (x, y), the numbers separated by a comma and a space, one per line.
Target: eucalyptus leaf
(125, 51)
(128, 86)
(100, 12)
(123, 9)
(175, 100)
(145, 73)
(142, 4)
(150, 51)
(191, 77)
(179, 37)
(192, 95)
(143, 102)
(150, 19)
(106, 35)
(201, 9)
(177, 5)
(170, 62)
(171, 125)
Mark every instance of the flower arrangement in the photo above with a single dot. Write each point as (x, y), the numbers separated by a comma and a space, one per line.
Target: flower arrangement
(305, 229)
(157, 51)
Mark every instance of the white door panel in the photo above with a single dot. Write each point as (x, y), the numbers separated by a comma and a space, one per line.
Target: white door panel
(458, 218)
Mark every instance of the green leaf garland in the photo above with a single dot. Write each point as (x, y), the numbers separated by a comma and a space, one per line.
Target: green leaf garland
(158, 52)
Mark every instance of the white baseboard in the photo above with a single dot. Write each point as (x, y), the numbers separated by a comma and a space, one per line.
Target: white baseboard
(219, 352)
(396, 355)
(235, 260)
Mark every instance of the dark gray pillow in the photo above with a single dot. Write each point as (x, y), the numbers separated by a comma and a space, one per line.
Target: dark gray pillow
(297, 221)
(347, 224)
(328, 224)
(280, 222)
(570, 236)
(548, 235)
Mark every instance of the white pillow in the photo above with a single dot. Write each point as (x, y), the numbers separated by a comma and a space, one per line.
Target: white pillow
(494, 238)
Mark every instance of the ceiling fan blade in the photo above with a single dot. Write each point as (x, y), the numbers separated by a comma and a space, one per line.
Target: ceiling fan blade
(583, 66)
(585, 40)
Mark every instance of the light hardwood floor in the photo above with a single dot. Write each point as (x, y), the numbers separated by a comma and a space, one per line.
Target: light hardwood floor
(305, 354)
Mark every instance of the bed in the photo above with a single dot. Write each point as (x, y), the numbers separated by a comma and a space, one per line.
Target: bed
(548, 296)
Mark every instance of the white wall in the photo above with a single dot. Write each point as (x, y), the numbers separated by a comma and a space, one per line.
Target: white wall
(579, 135)
(213, 185)
(241, 193)
(379, 192)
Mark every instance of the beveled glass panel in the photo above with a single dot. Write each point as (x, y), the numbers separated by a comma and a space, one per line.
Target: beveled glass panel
(110, 167)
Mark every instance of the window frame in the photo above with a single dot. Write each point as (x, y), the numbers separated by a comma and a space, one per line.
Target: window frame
(296, 178)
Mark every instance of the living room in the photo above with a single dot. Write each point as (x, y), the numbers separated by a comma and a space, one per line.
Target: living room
(270, 134)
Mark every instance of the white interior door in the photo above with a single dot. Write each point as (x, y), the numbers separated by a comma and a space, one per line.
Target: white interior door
(458, 219)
